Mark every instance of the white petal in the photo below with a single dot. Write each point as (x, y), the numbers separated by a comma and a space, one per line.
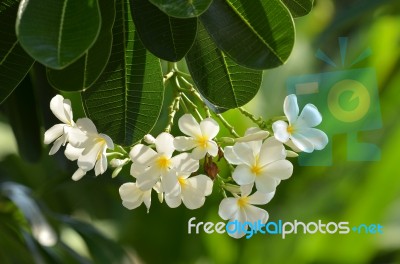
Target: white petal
(109, 142)
(53, 133)
(57, 107)
(241, 217)
(184, 143)
(209, 128)
(184, 163)
(291, 108)
(228, 208)
(201, 184)
(259, 135)
(148, 178)
(101, 165)
(309, 117)
(252, 130)
(246, 189)
(89, 156)
(68, 111)
(72, 153)
(137, 169)
(271, 150)
(173, 201)
(316, 137)
(165, 144)
(87, 125)
(142, 154)
(189, 126)
(266, 184)
(170, 183)
(260, 198)
(245, 153)
(77, 137)
(147, 199)
(231, 156)
(56, 145)
(78, 174)
(280, 131)
(255, 214)
(281, 169)
(243, 175)
(212, 148)
(302, 142)
(291, 145)
(131, 195)
(149, 139)
(198, 153)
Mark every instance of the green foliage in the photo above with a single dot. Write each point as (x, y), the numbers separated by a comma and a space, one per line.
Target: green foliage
(182, 8)
(14, 62)
(57, 33)
(82, 74)
(210, 67)
(299, 8)
(126, 100)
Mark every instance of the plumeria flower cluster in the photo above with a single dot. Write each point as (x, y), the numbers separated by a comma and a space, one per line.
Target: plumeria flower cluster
(171, 166)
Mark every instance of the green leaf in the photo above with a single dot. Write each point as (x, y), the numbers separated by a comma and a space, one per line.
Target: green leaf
(182, 8)
(57, 33)
(126, 100)
(166, 37)
(102, 249)
(256, 34)
(81, 74)
(299, 8)
(14, 62)
(218, 78)
(24, 121)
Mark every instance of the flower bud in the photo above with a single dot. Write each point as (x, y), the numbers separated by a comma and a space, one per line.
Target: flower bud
(149, 139)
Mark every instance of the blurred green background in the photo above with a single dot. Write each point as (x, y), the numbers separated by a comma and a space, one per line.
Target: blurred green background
(357, 192)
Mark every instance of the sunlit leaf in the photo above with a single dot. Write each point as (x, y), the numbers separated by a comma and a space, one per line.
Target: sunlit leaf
(299, 8)
(126, 100)
(166, 37)
(255, 34)
(14, 61)
(219, 79)
(182, 8)
(57, 33)
(81, 74)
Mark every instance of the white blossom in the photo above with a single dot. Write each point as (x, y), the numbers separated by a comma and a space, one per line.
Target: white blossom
(261, 163)
(59, 133)
(300, 131)
(242, 208)
(200, 136)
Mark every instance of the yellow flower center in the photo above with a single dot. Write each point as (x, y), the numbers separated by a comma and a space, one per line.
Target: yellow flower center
(242, 201)
(202, 141)
(256, 168)
(182, 181)
(102, 142)
(290, 129)
(163, 162)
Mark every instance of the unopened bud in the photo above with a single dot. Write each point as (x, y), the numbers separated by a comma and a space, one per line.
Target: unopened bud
(115, 163)
(232, 188)
(291, 154)
(210, 168)
(149, 139)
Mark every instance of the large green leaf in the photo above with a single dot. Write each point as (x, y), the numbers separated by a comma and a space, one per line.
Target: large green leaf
(182, 8)
(218, 78)
(256, 34)
(126, 100)
(57, 33)
(14, 62)
(299, 8)
(24, 120)
(166, 37)
(81, 74)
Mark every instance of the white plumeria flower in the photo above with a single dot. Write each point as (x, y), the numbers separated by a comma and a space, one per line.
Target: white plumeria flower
(300, 130)
(148, 165)
(59, 133)
(180, 187)
(200, 136)
(89, 148)
(132, 196)
(242, 208)
(261, 163)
